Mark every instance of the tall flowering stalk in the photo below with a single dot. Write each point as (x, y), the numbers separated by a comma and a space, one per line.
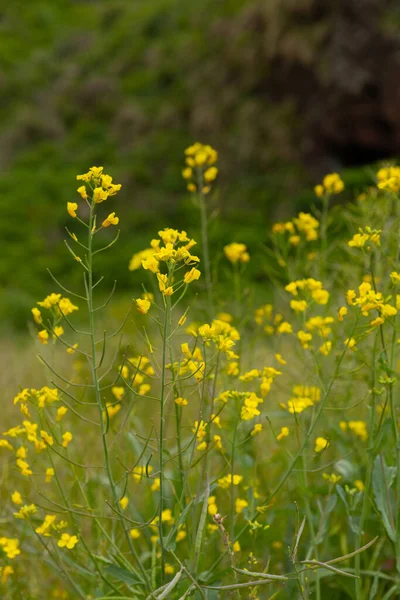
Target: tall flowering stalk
(200, 173)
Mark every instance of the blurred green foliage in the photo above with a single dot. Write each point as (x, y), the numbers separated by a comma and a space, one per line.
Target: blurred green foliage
(129, 85)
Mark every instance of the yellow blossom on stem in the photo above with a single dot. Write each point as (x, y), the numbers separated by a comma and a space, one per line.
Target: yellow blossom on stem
(72, 208)
(111, 220)
(67, 438)
(43, 336)
(67, 541)
(236, 253)
(181, 401)
(191, 275)
(124, 502)
(143, 305)
(320, 444)
(256, 429)
(82, 192)
(49, 474)
(284, 432)
(16, 498)
(240, 505)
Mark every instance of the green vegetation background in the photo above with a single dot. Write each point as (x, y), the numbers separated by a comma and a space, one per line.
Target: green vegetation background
(128, 85)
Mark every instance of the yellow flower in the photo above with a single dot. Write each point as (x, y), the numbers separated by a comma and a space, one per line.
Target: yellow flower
(191, 275)
(180, 535)
(359, 485)
(118, 391)
(112, 409)
(111, 220)
(72, 208)
(37, 315)
(331, 184)
(10, 547)
(256, 429)
(228, 480)
(359, 428)
(319, 190)
(332, 478)
(124, 502)
(303, 336)
(6, 444)
(283, 433)
(67, 541)
(49, 474)
(236, 546)
(395, 277)
(240, 505)
(280, 360)
(25, 511)
(43, 336)
(350, 343)
(210, 174)
(212, 506)
(134, 534)
(72, 349)
(156, 485)
(326, 348)
(143, 305)
(61, 412)
(342, 312)
(82, 192)
(182, 320)
(236, 253)
(67, 438)
(5, 572)
(187, 173)
(181, 401)
(320, 444)
(284, 327)
(99, 195)
(46, 438)
(16, 497)
(298, 305)
(58, 331)
(46, 526)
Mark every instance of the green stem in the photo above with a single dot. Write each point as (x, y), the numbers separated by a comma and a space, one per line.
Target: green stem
(206, 257)
(96, 385)
(167, 309)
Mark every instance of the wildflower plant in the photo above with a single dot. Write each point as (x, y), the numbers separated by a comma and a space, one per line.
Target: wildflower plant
(209, 459)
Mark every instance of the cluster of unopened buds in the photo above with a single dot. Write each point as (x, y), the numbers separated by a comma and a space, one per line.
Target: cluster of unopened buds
(200, 170)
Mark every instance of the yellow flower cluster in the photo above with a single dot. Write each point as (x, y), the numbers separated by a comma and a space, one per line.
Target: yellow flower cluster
(272, 323)
(200, 170)
(304, 396)
(176, 249)
(236, 253)
(59, 307)
(389, 179)
(368, 236)
(304, 225)
(226, 482)
(359, 428)
(223, 335)
(331, 184)
(368, 300)
(99, 182)
(311, 289)
(10, 547)
(97, 187)
(134, 374)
